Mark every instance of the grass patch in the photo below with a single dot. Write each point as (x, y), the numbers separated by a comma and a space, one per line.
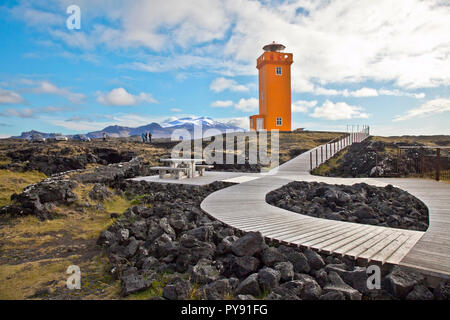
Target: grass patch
(22, 280)
(155, 290)
(35, 252)
(141, 200)
(325, 168)
(117, 204)
(13, 182)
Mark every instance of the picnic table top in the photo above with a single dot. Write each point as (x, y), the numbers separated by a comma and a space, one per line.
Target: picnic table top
(181, 160)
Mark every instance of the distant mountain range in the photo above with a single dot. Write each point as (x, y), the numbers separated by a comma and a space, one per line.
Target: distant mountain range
(163, 130)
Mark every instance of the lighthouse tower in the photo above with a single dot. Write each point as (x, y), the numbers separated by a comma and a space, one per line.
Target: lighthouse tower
(274, 68)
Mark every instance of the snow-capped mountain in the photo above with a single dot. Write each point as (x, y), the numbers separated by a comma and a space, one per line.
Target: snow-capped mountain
(163, 130)
(189, 121)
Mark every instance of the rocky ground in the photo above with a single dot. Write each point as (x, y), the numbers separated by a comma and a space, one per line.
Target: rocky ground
(165, 247)
(57, 157)
(157, 243)
(361, 203)
(175, 251)
(42, 198)
(359, 161)
(378, 156)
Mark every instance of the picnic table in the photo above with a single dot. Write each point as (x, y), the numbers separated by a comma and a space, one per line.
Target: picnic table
(180, 168)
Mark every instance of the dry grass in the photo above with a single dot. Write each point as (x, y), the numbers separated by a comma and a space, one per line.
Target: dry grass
(20, 281)
(35, 254)
(437, 140)
(13, 182)
(325, 168)
(289, 142)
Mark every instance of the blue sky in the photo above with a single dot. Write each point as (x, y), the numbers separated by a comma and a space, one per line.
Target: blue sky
(355, 62)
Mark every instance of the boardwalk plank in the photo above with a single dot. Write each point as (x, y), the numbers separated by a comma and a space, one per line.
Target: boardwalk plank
(373, 250)
(390, 249)
(243, 206)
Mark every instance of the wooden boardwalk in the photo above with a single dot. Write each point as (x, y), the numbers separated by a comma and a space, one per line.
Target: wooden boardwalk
(243, 206)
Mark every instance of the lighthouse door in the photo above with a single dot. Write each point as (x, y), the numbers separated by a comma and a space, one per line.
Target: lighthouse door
(259, 123)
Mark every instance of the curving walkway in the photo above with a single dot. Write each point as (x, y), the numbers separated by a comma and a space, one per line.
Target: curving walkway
(243, 206)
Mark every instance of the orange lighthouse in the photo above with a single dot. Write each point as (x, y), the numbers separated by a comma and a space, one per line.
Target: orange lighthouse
(274, 68)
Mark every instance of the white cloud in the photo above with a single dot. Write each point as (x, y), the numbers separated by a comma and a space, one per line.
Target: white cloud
(19, 113)
(222, 104)
(46, 87)
(29, 112)
(399, 93)
(177, 110)
(365, 92)
(429, 108)
(303, 106)
(126, 120)
(336, 42)
(162, 24)
(10, 97)
(338, 111)
(329, 92)
(120, 97)
(36, 17)
(79, 126)
(221, 84)
(214, 64)
(347, 41)
(247, 105)
(78, 118)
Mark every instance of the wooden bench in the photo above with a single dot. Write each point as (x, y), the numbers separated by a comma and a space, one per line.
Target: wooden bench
(201, 168)
(177, 172)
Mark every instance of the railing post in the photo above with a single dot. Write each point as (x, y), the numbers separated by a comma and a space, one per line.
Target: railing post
(317, 163)
(438, 163)
(326, 152)
(321, 154)
(310, 160)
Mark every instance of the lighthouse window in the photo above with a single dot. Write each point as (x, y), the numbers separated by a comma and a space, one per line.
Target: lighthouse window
(278, 71)
(262, 95)
(279, 121)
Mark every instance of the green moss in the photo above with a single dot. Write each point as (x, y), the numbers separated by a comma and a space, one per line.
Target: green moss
(138, 200)
(263, 295)
(117, 204)
(155, 290)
